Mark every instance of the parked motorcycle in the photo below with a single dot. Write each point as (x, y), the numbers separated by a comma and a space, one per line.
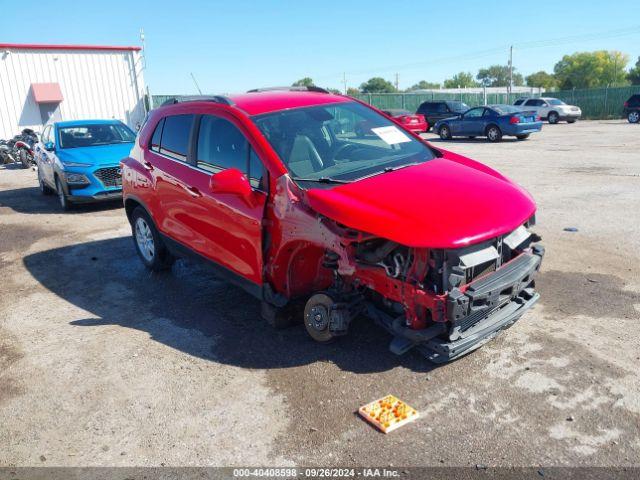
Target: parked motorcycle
(23, 147)
(7, 154)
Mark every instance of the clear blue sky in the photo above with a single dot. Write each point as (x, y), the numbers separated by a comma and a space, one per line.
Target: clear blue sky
(234, 45)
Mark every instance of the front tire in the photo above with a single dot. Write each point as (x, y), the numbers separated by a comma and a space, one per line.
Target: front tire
(445, 132)
(149, 245)
(522, 137)
(572, 120)
(44, 188)
(494, 134)
(553, 118)
(634, 117)
(64, 202)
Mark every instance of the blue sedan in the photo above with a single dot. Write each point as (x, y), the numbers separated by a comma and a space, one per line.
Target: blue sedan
(79, 161)
(491, 121)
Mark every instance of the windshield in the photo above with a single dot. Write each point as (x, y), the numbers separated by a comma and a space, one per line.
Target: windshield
(555, 101)
(96, 134)
(504, 109)
(339, 142)
(459, 107)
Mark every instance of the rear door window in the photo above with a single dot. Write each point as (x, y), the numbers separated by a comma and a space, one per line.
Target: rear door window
(533, 102)
(519, 101)
(175, 136)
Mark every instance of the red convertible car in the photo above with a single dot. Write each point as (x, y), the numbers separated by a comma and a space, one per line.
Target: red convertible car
(323, 226)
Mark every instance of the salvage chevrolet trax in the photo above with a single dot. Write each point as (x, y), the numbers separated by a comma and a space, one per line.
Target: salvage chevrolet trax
(276, 189)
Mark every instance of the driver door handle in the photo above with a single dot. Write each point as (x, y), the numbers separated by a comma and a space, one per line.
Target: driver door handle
(193, 191)
(147, 165)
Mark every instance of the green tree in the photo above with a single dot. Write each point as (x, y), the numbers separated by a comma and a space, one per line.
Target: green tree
(462, 80)
(591, 69)
(634, 74)
(377, 85)
(423, 85)
(352, 91)
(498, 76)
(303, 82)
(542, 79)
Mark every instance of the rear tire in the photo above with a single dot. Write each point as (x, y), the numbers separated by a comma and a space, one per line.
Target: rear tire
(64, 202)
(494, 134)
(553, 118)
(522, 137)
(445, 132)
(148, 243)
(24, 158)
(634, 117)
(44, 188)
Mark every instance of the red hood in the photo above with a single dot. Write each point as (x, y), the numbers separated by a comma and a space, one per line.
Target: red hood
(448, 202)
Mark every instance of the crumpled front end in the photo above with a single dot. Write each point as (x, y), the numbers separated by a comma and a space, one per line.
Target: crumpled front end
(444, 302)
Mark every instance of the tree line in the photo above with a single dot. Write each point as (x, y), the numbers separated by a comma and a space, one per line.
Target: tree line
(580, 70)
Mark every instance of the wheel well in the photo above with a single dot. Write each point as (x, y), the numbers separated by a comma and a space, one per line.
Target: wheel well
(552, 111)
(486, 130)
(130, 205)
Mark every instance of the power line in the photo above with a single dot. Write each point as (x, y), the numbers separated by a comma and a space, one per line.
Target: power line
(621, 32)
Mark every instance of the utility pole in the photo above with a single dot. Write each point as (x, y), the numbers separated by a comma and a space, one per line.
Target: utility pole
(397, 83)
(344, 82)
(510, 68)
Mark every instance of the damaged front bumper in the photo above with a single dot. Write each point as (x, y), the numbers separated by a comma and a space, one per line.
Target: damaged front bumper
(475, 313)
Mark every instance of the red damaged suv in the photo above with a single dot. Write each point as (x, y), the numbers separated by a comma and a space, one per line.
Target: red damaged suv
(275, 188)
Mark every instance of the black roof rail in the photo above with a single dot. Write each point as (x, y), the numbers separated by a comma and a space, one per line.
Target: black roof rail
(198, 98)
(301, 88)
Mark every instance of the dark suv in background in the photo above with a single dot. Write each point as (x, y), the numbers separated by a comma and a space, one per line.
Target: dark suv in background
(632, 108)
(439, 110)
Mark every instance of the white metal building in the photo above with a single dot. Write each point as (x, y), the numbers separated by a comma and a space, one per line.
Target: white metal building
(41, 83)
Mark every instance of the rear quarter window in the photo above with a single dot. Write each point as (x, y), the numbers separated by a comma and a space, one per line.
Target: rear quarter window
(175, 136)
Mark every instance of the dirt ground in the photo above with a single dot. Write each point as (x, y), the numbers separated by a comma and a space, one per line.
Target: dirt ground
(105, 364)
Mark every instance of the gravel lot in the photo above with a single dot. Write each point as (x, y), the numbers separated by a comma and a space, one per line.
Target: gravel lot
(102, 363)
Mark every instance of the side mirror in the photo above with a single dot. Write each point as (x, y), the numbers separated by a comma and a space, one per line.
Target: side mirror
(49, 146)
(232, 181)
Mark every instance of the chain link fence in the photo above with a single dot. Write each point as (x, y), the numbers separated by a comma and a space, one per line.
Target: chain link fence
(596, 103)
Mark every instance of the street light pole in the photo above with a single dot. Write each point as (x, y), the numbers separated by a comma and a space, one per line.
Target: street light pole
(510, 69)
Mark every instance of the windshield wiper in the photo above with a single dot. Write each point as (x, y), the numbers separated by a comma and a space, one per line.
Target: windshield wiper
(320, 180)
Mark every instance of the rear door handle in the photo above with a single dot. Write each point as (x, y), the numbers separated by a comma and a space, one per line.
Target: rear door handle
(147, 165)
(193, 191)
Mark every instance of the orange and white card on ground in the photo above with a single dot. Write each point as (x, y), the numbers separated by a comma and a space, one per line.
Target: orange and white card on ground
(388, 413)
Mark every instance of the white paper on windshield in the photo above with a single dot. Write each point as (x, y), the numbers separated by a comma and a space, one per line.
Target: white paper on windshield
(391, 135)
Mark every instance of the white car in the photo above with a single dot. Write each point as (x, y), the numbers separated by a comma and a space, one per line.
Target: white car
(550, 109)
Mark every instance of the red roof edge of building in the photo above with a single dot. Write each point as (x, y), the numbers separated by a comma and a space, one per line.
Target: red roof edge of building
(36, 46)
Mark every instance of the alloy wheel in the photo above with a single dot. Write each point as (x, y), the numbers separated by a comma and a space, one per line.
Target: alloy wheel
(144, 240)
(634, 117)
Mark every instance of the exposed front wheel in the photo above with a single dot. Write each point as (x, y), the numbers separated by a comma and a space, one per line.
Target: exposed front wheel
(494, 134)
(317, 316)
(444, 132)
(553, 118)
(149, 245)
(634, 117)
(522, 137)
